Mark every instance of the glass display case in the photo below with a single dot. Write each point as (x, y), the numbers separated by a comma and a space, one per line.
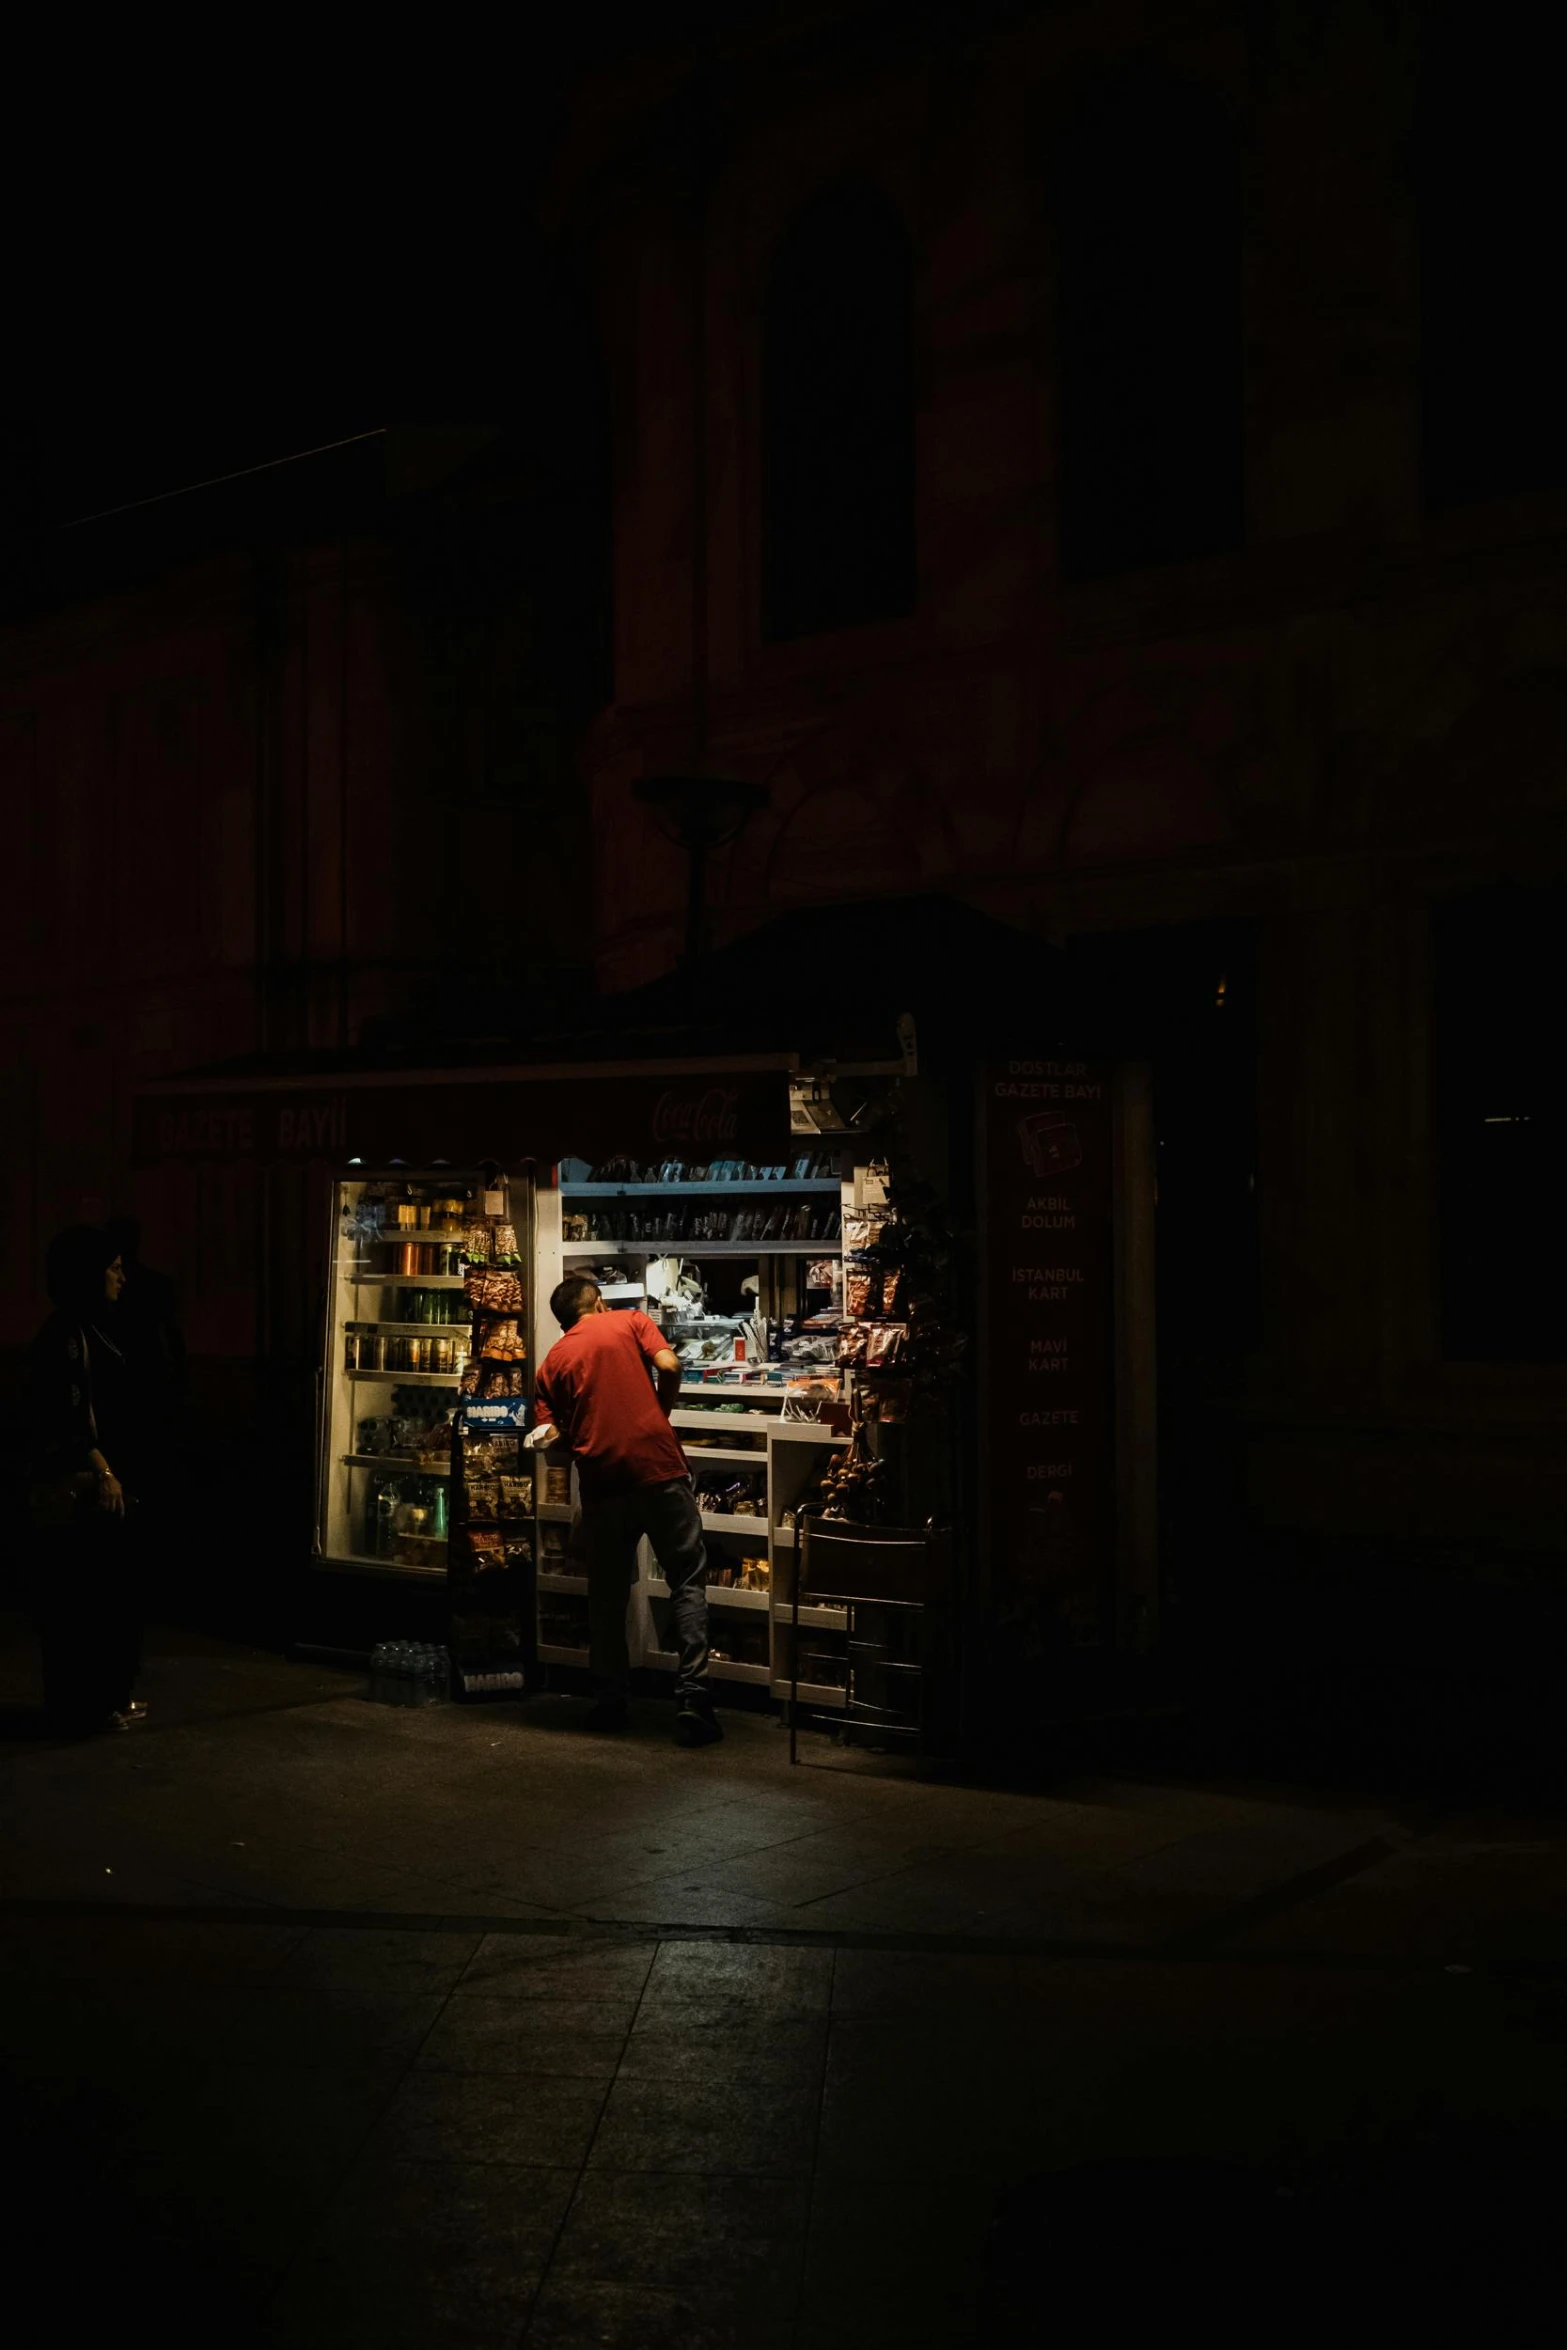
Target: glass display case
(398, 1356)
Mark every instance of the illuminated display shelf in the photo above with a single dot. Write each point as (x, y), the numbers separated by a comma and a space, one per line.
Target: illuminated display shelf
(790, 1187)
(718, 1594)
(407, 1280)
(831, 1244)
(742, 1419)
(392, 1464)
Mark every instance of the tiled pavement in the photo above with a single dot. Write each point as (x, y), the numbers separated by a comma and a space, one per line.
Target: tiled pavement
(328, 2024)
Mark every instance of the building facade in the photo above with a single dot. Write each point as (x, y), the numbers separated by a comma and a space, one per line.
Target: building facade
(1232, 613)
(1098, 462)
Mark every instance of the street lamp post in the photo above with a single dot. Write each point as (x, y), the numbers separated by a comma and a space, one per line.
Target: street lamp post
(700, 813)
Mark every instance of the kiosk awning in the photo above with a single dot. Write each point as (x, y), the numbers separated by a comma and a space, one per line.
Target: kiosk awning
(426, 1118)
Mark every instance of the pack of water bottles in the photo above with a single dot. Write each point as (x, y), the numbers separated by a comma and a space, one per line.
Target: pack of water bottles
(409, 1672)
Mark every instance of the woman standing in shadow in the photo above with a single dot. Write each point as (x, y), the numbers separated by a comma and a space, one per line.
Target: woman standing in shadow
(82, 1477)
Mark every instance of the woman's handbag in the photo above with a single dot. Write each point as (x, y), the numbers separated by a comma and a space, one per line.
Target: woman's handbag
(63, 1502)
(56, 1503)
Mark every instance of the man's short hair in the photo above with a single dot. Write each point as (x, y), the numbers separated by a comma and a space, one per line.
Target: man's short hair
(571, 1298)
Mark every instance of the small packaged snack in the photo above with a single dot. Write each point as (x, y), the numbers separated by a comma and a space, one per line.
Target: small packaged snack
(484, 1501)
(493, 1289)
(516, 1497)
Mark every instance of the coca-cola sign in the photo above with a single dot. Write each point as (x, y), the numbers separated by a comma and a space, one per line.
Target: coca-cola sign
(707, 1117)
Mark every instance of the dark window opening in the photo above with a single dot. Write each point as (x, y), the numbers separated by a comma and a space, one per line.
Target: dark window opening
(1149, 332)
(1492, 213)
(1502, 1257)
(838, 529)
(1183, 998)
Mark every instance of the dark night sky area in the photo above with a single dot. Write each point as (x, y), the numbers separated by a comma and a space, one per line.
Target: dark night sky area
(335, 246)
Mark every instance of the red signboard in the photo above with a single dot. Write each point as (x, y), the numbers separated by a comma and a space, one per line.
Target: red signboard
(1049, 1351)
(648, 1116)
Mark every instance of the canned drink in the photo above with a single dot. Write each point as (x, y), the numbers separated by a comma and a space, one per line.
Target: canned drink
(443, 1353)
(351, 1351)
(377, 1346)
(415, 1347)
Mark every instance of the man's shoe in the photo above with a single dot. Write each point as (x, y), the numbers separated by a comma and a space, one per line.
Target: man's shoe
(608, 1714)
(696, 1726)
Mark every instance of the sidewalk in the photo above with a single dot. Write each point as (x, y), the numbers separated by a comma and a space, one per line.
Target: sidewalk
(325, 2021)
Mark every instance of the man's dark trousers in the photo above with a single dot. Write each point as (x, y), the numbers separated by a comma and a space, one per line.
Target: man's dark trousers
(612, 1525)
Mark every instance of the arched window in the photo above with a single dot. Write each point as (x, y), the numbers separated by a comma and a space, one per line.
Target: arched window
(1492, 215)
(1150, 462)
(838, 420)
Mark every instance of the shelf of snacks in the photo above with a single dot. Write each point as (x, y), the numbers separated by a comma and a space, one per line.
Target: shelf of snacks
(550, 1580)
(804, 1432)
(773, 1185)
(361, 1565)
(751, 1525)
(752, 1392)
(724, 1594)
(406, 1280)
(554, 1652)
(428, 1551)
(401, 1378)
(697, 1248)
(406, 1329)
(559, 1513)
(687, 1416)
(814, 1619)
(824, 1694)
(697, 1453)
(404, 1464)
(720, 1668)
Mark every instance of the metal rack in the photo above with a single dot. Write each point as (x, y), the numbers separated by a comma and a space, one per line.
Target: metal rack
(850, 1569)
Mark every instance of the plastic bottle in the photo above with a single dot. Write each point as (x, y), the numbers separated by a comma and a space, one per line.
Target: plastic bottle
(385, 1520)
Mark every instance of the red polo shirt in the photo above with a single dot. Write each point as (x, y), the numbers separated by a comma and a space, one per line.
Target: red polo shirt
(595, 1385)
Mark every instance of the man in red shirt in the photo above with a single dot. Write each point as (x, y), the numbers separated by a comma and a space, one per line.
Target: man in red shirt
(595, 1394)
